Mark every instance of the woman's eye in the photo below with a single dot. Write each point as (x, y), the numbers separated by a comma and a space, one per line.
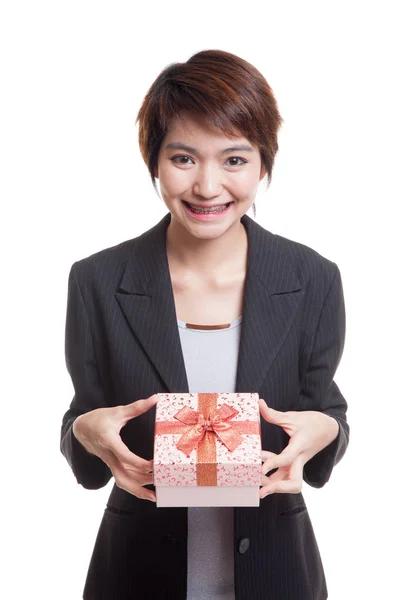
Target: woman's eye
(237, 158)
(180, 157)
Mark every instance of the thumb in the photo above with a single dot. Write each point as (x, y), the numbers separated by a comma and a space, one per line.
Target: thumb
(270, 414)
(138, 407)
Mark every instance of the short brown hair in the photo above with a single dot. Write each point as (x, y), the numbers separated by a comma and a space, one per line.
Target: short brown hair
(222, 87)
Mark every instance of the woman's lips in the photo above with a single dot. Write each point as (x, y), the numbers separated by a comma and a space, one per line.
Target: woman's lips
(206, 205)
(206, 216)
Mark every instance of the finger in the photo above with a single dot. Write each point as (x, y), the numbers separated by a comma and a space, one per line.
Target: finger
(127, 481)
(135, 475)
(263, 493)
(114, 463)
(267, 454)
(138, 407)
(288, 419)
(286, 486)
(279, 475)
(290, 484)
(141, 479)
(270, 414)
(146, 479)
(124, 455)
(284, 459)
(137, 490)
(297, 468)
(138, 479)
(266, 479)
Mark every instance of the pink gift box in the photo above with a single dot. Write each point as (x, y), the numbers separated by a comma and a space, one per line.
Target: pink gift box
(207, 449)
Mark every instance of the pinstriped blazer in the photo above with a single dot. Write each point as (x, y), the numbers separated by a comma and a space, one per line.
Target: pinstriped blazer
(122, 344)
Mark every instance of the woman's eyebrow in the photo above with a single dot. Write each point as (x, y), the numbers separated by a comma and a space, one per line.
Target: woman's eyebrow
(180, 146)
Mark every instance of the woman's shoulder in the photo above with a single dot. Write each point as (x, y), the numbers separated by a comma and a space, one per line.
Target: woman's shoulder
(310, 264)
(110, 253)
(104, 266)
(116, 256)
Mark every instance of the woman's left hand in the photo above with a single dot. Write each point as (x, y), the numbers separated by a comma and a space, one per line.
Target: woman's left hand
(310, 431)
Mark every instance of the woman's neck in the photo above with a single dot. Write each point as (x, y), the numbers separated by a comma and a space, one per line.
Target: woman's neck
(214, 259)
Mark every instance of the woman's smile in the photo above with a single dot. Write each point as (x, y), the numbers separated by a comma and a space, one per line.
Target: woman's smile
(206, 212)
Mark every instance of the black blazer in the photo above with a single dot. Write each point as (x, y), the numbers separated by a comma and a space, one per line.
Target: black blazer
(122, 344)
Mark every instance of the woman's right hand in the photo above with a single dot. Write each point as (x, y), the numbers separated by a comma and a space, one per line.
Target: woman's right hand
(98, 431)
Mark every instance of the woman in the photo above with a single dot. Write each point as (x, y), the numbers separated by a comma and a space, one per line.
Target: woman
(206, 300)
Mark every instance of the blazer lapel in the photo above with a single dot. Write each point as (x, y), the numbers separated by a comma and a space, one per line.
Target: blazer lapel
(272, 298)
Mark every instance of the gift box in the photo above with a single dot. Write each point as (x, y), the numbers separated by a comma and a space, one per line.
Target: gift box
(207, 449)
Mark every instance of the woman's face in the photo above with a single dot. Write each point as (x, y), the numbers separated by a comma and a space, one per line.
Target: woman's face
(198, 164)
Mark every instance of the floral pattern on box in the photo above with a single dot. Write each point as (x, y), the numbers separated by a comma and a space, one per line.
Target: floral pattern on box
(238, 467)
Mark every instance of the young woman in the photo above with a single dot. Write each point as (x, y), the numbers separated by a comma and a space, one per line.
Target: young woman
(207, 300)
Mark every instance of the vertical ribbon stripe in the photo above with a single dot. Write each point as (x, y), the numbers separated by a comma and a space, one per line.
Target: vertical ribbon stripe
(207, 449)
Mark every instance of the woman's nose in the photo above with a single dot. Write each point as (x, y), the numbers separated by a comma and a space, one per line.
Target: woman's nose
(208, 182)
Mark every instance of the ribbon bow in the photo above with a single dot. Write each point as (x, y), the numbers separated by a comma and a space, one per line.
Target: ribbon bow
(216, 421)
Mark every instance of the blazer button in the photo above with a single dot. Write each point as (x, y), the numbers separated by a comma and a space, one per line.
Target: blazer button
(243, 545)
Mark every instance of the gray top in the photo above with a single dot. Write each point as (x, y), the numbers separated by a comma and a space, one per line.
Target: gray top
(210, 358)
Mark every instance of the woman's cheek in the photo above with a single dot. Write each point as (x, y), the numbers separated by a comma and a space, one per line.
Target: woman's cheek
(176, 182)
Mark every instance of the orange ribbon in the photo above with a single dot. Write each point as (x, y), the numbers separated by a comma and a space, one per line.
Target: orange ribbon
(216, 421)
(205, 425)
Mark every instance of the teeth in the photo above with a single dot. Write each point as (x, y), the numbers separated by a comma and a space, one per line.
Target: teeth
(208, 210)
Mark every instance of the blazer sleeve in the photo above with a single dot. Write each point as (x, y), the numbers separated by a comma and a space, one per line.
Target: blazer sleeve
(90, 471)
(318, 388)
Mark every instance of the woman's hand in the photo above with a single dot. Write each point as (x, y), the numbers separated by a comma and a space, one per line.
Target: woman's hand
(310, 431)
(98, 431)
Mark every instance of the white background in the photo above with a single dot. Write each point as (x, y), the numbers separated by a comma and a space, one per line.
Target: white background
(73, 75)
